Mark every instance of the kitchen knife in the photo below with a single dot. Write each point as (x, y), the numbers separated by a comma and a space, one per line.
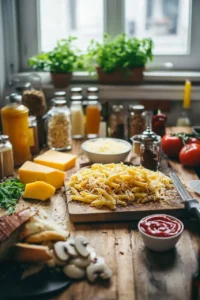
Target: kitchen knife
(192, 205)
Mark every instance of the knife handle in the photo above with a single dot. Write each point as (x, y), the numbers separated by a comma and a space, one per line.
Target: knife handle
(193, 208)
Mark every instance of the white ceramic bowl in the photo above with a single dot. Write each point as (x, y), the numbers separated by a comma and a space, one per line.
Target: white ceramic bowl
(105, 158)
(160, 244)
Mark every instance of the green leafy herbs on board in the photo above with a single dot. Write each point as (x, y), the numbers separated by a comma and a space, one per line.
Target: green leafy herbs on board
(10, 192)
(121, 52)
(62, 59)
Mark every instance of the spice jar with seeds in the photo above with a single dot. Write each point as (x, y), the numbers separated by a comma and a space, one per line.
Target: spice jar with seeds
(137, 123)
(59, 126)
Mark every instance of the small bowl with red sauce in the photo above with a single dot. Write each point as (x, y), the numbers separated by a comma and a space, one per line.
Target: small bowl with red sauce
(160, 232)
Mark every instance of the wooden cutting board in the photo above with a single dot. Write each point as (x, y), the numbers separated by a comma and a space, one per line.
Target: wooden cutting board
(83, 213)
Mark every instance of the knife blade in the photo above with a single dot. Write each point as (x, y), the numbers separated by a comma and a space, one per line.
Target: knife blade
(192, 205)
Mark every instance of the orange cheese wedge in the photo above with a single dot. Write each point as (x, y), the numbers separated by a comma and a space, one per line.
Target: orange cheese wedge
(31, 172)
(57, 160)
(39, 190)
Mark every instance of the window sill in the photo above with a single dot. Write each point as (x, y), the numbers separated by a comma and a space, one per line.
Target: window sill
(157, 85)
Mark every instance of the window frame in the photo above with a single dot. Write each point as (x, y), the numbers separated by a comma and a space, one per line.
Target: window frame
(114, 23)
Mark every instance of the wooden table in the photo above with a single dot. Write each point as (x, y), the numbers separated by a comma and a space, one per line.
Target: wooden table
(137, 272)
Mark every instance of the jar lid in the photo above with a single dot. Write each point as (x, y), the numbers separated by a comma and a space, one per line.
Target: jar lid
(92, 89)
(60, 94)
(77, 90)
(149, 135)
(117, 108)
(76, 98)
(76, 103)
(136, 108)
(14, 98)
(92, 98)
(4, 138)
(60, 102)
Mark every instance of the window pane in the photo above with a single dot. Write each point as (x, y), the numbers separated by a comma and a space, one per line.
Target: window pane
(61, 18)
(166, 21)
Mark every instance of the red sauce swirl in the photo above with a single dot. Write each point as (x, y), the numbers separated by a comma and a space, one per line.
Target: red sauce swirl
(160, 226)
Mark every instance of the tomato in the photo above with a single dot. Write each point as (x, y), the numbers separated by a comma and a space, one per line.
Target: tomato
(190, 155)
(193, 140)
(171, 145)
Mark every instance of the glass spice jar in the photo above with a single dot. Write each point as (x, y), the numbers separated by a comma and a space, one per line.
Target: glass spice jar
(78, 120)
(7, 162)
(59, 126)
(93, 117)
(137, 122)
(117, 122)
(33, 135)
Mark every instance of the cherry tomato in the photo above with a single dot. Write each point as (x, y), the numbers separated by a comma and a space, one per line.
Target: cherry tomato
(193, 141)
(190, 155)
(171, 145)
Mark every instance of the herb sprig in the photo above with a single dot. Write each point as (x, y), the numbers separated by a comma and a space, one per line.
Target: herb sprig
(10, 192)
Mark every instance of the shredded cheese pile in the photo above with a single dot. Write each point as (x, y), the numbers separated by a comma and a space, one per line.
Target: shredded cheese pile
(117, 184)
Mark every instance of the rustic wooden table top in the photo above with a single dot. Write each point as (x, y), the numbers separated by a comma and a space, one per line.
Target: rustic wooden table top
(138, 274)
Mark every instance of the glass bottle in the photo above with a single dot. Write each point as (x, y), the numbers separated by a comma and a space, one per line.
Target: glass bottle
(78, 120)
(92, 91)
(117, 122)
(93, 117)
(59, 126)
(33, 135)
(7, 163)
(137, 122)
(15, 124)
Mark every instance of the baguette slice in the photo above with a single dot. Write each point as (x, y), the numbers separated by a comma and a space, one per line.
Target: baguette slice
(45, 236)
(10, 227)
(27, 253)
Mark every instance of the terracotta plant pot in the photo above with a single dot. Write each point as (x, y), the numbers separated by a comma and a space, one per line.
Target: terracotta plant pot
(61, 80)
(118, 77)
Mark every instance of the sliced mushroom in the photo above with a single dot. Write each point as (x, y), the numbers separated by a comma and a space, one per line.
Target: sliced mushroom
(80, 262)
(55, 261)
(70, 248)
(98, 270)
(60, 251)
(73, 271)
(81, 244)
(92, 252)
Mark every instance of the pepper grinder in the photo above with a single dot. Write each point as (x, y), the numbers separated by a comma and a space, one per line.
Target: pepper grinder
(149, 149)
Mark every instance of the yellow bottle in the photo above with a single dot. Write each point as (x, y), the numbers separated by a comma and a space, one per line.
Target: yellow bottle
(15, 124)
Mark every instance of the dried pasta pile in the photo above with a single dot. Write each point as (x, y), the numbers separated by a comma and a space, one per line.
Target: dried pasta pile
(117, 184)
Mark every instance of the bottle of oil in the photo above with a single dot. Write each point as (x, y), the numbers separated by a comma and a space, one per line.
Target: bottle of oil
(15, 124)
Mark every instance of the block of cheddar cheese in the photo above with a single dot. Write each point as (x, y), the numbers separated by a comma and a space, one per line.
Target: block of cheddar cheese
(31, 172)
(57, 160)
(39, 190)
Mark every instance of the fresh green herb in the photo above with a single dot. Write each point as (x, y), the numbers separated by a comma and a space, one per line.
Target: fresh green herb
(62, 59)
(121, 52)
(10, 192)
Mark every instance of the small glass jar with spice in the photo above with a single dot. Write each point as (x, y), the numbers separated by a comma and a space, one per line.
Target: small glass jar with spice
(76, 91)
(59, 126)
(33, 135)
(117, 122)
(137, 122)
(78, 120)
(6, 152)
(93, 117)
(149, 149)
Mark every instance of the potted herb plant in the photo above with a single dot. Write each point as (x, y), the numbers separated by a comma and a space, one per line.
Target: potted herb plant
(60, 62)
(120, 60)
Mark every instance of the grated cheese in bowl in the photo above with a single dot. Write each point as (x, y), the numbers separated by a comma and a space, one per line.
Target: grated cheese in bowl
(106, 150)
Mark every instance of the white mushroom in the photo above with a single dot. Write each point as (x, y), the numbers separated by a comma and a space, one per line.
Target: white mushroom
(60, 251)
(98, 270)
(80, 261)
(73, 271)
(98, 260)
(92, 252)
(55, 261)
(70, 248)
(81, 245)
